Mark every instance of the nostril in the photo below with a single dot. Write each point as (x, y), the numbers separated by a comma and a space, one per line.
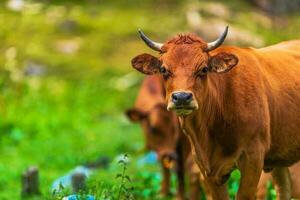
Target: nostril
(189, 97)
(173, 156)
(174, 97)
(169, 156)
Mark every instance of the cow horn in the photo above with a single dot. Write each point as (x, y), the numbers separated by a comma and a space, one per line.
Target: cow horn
(215, 44)
(153, 45)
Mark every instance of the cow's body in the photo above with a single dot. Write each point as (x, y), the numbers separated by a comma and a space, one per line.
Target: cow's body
(256, 113)
(239, 107)
(170, 143)
(261, 98)
(281, 70)
(267, 178)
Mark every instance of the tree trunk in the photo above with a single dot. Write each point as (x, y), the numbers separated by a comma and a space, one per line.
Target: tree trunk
(30, 182)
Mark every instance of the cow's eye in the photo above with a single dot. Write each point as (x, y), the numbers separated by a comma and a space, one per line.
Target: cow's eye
(164, 72)
(203, 71)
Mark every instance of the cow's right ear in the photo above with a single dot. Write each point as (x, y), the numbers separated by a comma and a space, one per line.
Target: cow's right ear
(135, 115)
(146, 64)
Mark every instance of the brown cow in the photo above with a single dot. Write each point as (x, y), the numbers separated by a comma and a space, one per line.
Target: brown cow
(266, 177)
(239, 107)
(162, 135)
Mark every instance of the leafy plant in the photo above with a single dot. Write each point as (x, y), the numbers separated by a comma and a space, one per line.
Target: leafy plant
(125, 187)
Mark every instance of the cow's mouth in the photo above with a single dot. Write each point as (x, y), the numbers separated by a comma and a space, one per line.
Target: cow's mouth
(169, 160)
(168, 163)
(182, 110)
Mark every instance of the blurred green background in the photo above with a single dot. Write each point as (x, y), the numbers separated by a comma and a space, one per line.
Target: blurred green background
(66, 79)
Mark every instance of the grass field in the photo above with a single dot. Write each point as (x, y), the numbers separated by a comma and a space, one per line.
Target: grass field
(66, 79)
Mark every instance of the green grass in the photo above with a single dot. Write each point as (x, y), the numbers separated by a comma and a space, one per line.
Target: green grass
(73, 113)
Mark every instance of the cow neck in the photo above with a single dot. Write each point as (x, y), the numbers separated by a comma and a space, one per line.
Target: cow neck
(211, 101)
(196, 125)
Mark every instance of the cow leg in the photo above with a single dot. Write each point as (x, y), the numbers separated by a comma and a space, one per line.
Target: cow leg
(250, 165)
(282, 180)
(205, 188)
(217, 192)
(165, 184)
(180, 171)
(194, 184)
(180, 178)
(262, 190)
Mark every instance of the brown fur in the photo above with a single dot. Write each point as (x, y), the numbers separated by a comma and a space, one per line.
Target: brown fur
(162, 135)
(247, 118)
(266, 178)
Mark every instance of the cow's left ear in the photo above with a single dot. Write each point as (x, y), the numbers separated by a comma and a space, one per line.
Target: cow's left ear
(222, 62)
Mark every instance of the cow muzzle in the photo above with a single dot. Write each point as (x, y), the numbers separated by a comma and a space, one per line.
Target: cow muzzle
(169, 160)
(182, 103)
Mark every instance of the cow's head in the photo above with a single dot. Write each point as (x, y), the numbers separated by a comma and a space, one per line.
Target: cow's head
(186, 63)
(160, 129)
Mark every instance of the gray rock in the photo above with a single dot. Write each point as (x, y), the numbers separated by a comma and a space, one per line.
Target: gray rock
(276, 7)
(215, 9)
(211, 29)
(34, 69)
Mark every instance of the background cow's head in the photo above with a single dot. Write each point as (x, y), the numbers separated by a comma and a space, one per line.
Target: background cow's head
(160, 129)
(186, 63)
